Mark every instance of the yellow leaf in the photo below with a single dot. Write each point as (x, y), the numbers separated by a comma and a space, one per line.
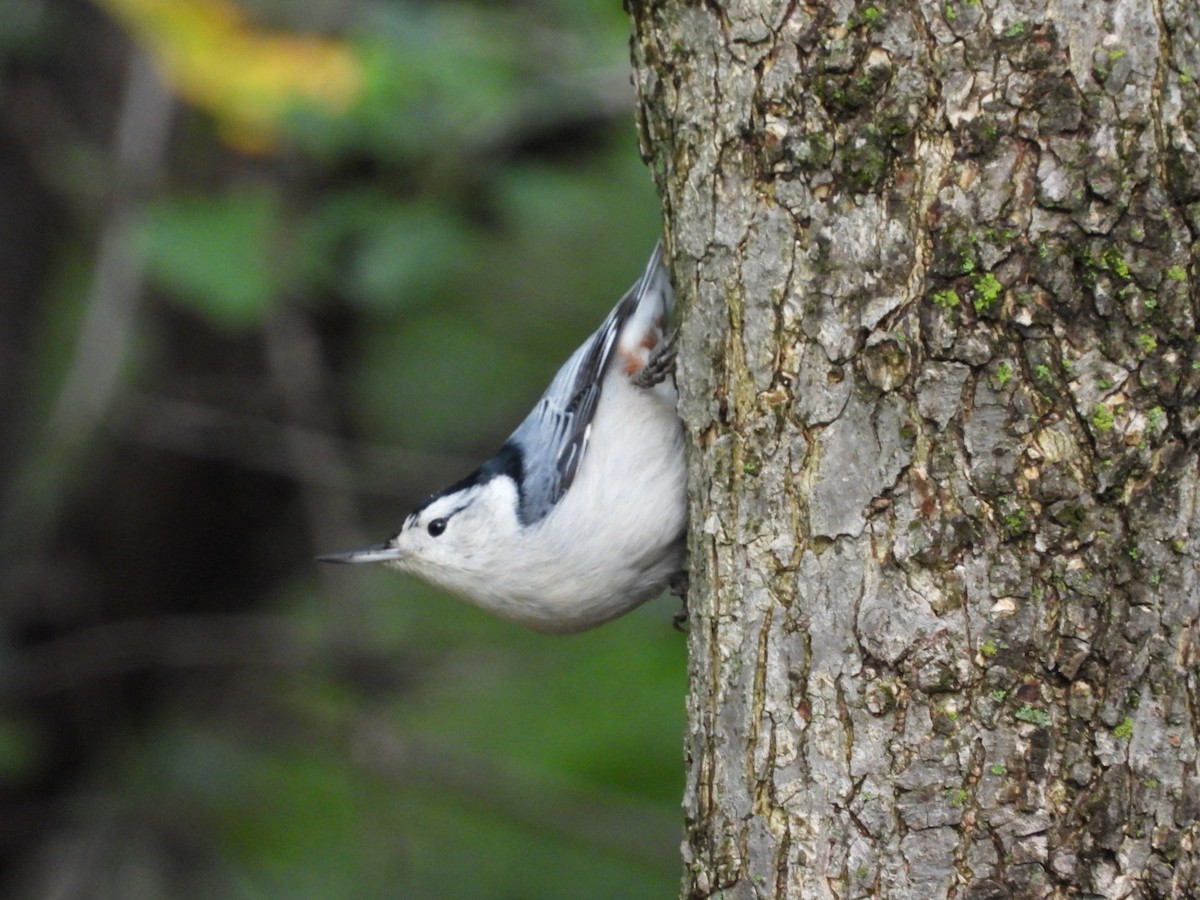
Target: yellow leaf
(247, 77)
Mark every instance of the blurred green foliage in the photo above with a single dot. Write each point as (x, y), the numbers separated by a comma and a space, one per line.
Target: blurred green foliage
(439, 247)
(520, 767)
(215, 254)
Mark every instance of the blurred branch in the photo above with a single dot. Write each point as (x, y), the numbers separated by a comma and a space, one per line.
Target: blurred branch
(286, 449)
(168, 642)
(143, 128)
(101, 344)
(296, 367)
(641, 832)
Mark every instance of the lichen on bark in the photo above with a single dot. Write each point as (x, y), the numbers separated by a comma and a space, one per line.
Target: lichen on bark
(940, 368)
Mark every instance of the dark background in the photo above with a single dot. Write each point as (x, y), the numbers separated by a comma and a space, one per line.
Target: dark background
(268, 277)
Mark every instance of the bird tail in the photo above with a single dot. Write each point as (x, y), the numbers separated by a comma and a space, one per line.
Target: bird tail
(649, 322)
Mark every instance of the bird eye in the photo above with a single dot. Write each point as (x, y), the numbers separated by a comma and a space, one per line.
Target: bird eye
(436, 527)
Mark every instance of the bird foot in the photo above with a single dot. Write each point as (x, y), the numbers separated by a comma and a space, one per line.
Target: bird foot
(660, 365)
(678, 586)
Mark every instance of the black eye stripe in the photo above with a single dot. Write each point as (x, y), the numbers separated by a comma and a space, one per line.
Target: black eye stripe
(436, 527)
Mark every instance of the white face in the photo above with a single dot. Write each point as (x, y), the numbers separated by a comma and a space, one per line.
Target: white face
(456, 540)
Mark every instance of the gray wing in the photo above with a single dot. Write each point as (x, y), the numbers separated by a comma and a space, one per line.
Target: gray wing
(553, 437)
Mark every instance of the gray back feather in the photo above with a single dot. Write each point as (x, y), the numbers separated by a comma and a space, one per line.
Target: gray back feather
(553, 438)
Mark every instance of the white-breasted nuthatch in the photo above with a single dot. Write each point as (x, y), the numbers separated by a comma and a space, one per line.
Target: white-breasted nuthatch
(580, 515)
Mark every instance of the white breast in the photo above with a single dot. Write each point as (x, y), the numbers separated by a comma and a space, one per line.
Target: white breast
(616, 537)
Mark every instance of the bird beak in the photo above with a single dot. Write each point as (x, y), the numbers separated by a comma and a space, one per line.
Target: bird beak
(375, 553)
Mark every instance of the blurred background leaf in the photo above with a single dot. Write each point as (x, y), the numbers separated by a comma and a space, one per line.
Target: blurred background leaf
(215, 254)
(270, 273)
(246, 76)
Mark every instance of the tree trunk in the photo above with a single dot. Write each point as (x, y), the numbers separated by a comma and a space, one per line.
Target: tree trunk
(939, 367)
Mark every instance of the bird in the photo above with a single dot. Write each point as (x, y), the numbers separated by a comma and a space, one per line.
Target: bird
(581, 514)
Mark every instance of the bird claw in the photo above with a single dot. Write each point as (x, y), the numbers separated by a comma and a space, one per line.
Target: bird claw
(678, 586)
(660, 365)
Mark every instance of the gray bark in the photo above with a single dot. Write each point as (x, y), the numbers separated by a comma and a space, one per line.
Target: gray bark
(939, 367)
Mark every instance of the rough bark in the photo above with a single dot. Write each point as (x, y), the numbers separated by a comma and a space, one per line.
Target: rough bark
(939, 367)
